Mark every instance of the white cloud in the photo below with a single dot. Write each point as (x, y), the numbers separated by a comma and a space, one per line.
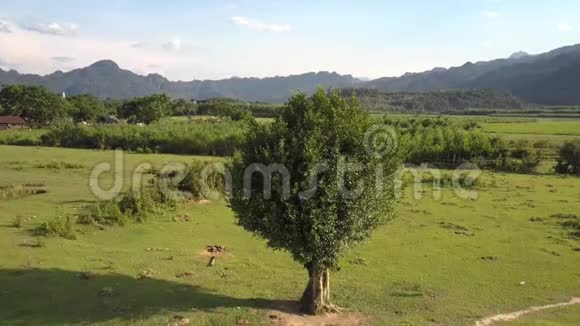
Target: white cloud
(5, 27)
(42, 54)
(3, 64)
(564, 26)
(491, 14)
(62, 59)
(259, 26)
(140, 45)
(7, 65)
(174, 45)
(62, 29)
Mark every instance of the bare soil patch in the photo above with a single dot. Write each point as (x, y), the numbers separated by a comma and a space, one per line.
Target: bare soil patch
(288, 314)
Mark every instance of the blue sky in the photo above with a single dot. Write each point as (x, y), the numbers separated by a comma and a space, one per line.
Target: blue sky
(186, 40)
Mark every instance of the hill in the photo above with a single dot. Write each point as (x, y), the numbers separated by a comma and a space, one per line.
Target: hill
(549, 79)
(105, 79)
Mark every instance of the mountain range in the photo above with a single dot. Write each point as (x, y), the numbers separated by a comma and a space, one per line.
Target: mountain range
(551, 78)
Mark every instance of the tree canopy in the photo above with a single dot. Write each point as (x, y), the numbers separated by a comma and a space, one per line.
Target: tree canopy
(86, 108)
(146, 109)
(329, 191)
(33, 103)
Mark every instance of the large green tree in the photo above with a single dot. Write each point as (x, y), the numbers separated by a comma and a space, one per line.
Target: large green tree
(86, 108)
(146, 109)
(328, 190)
(183, 107)
(34, 103)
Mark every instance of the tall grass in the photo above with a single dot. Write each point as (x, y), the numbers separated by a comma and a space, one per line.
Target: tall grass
(21, 137)
(197, 137)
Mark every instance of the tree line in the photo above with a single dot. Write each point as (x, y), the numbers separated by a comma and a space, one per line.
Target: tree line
(427, 140)
(41, 108)
(448, 102)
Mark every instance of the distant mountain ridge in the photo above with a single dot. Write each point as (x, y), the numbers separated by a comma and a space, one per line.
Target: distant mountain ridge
(106, 79)
(551, 78)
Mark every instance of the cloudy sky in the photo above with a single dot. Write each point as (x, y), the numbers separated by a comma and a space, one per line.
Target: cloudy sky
(212, 39)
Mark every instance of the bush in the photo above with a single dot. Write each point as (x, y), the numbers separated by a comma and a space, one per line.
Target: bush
(192, 183)
(569, 158)
(104, 213)
(129, 207)
(137, 205)
(20, 137)
(58, 226)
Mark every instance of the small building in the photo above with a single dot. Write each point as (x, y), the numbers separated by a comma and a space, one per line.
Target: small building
(12, 122)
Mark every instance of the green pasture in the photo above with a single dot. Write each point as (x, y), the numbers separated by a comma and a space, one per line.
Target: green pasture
(449, 261)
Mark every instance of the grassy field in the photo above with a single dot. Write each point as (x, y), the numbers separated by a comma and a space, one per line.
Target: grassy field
(535, 126)
(449, 261)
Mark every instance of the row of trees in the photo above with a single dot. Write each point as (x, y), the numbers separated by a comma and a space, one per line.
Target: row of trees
(448, 147)
(33, 103)
(41, 107)
(239, 110)
(435, 102)
(202, 137)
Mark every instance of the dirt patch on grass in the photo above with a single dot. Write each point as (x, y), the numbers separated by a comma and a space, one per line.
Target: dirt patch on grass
(214, 251)
(515, 315)
(288, 314)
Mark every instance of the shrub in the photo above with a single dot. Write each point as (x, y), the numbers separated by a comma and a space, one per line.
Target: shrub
(19, 137)
(137, 205)
(104, 213)
(569, 158)
(128, 207)
(58, 226)
(192, 183)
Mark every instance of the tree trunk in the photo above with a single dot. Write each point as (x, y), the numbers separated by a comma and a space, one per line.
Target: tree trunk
(316, 296)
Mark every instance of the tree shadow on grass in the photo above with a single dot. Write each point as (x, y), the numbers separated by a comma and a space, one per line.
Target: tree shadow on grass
(56, 297)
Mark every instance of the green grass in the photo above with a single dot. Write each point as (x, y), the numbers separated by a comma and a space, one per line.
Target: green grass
(537, 127)
(417, 270)
(22, 137)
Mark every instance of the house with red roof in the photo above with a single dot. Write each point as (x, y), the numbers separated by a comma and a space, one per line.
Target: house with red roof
(12, 122)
